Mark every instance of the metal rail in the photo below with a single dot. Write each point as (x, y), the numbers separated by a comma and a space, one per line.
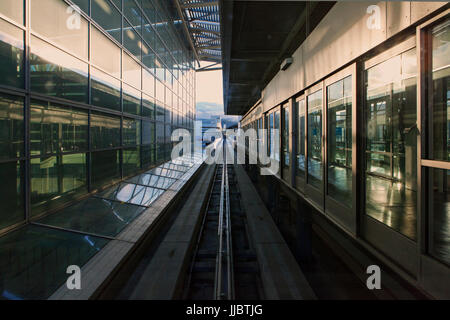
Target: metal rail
(224, 275)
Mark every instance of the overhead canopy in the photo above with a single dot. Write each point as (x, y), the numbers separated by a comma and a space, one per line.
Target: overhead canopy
(256, 37)
(203, 23)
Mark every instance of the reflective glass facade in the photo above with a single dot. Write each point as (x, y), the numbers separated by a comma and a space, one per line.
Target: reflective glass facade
(93, 104)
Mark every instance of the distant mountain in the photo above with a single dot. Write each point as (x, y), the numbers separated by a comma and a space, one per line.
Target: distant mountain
(206, 110)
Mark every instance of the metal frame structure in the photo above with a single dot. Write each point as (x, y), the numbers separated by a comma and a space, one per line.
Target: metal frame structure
(202, 20)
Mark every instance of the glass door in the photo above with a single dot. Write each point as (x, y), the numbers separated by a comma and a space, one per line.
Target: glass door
(300, 146)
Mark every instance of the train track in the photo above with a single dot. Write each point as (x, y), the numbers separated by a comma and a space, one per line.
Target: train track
(224, 265)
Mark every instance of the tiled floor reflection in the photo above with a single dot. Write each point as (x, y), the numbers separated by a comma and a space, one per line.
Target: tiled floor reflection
(34, 260)
(392, 204)
(340, 184)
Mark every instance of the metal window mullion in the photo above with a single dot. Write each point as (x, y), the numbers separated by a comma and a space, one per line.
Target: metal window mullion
(27, 114)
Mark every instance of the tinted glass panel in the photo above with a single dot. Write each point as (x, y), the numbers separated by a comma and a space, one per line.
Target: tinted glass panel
(391, 136)
(11, 55)
(131, 161)
(148, 107)
(107, 17)
(32, 249)
(285, 136)
(439, 223)
(11, 127)
(56, 129)
(440, 131)
(131, 100)
(105, 90)
(133, 14)
(105, 167)
(339, 99)
(12, 197)
(95, 215)
(131, 40)
(56, 180)
(315, 139)
(61, 24)
(148, 132)
(105, 131)
(131, 71)
(131, 132)
(56, 73)
(148, 155)
(301, 135)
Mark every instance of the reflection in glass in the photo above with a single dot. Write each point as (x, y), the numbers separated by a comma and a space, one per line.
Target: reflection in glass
(56, 129)
(131, 71)
(51, 19)
(56, 73)
(11, 55)
(301, 134)
(108, 62)
(12, 9)
(285, 136)
(148, 155)
(107, 17)
(315, 139)
(148, 132)
(12, 196)
(95, 216)
(11, 127)
(56, 180)
(131, 161)
(105, 131)
(131, 129)
(131, 40)
(148, 107)
(339, 100)
(41, 251)
(440, 131)
(391, 136)
(132, 194)
(105, 90)
(105, 168)
(439, 217)
(131, 100)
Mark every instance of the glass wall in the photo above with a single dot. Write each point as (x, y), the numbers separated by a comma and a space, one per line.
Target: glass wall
(339, 144)
(299, 111)
(315, 166)
(96, 106)
(285, 136)
(391, 139)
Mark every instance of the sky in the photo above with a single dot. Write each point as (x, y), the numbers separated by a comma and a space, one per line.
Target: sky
(209, 86)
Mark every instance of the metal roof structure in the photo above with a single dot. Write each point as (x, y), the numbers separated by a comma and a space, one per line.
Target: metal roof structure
(202, 19)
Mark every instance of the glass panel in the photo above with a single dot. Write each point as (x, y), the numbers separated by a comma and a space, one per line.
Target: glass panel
(148, 132)
(13, 9)
(132, 194)
(150, 180)
(96, 216)
(105, 131)
(148, 155)
(12, 197)
(105, 90)
(148, 85)
(131, 100)
(131, 71)
(107, 17)
(131, 40)
(131, 161)
(11, 127)
(301, 134)
(11, 55)
(45, 253)
(339, 99)
(159, 111)
(55, 129)
(131, 132)
(133, 14)
(440, 131)
(108, 62)
(82, 4)
(315, 139)
(61, 24)
(105, 167)
(286, 136)
(148, 107)
(56, 180)
(439, 223)
(270, 137)
(391, 136)
(56, 73)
